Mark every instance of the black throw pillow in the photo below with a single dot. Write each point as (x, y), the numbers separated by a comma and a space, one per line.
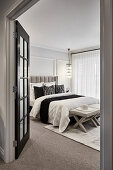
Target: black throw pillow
(38, 91)
(59, 89)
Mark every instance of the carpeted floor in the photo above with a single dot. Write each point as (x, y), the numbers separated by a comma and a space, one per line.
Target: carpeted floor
(50, 151)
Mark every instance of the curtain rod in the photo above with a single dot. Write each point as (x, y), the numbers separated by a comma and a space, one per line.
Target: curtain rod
(86, 51)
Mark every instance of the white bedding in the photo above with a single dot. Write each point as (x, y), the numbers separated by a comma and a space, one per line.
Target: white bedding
(37, 103)
(32, 102)
(59, 110)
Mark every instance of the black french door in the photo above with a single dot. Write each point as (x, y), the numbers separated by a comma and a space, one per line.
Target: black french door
(22, 120)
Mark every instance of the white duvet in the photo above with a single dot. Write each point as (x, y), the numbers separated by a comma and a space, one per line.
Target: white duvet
(59, 110)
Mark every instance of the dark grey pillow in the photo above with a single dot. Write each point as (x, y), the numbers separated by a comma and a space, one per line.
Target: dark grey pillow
(48, 90)
(59, 89)
(38, 91)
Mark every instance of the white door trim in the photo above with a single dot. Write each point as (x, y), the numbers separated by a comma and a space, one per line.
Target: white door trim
(10, 113)
(15, 10)
(106, 83)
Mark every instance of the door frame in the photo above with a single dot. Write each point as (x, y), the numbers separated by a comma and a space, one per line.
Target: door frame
(106, 79)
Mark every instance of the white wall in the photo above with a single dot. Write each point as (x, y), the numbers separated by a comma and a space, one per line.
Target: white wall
(40, 66)
(49, 62)
(48, 53)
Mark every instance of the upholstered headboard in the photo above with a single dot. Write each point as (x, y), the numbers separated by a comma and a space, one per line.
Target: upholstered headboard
(45, 79)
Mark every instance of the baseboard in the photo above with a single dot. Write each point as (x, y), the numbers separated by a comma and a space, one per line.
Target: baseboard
(1, 153)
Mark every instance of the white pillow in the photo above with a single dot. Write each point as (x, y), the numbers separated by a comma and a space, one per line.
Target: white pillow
(50, 83)
(36, 84)
(32, 95)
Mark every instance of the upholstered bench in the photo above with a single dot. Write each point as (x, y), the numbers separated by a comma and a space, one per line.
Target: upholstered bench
(83, 115)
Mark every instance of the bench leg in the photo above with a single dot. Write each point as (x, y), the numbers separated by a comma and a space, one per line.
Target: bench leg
(94, 123)
(79, 123)
(95, 119)
(82, 127)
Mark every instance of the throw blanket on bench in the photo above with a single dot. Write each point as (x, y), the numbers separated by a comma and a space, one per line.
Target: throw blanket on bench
(45, 105)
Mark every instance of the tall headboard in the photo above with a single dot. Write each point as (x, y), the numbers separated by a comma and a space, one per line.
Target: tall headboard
(45, 79)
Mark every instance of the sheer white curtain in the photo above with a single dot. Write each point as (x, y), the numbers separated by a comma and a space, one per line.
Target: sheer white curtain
(86, 73)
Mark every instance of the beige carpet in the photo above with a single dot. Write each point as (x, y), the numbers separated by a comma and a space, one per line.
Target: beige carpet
(49, 151)
(91, 138)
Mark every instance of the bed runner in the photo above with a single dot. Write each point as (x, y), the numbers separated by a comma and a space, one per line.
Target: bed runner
(45, 105)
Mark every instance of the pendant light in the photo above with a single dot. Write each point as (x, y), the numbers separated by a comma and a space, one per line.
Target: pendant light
(69, 66)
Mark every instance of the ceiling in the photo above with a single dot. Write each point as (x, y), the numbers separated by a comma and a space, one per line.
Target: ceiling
(63, 24)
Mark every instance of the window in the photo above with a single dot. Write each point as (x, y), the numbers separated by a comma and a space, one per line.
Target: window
(86, 73)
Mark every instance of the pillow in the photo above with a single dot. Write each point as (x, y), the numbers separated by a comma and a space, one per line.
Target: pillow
(38, 92)
(36, 84)
(50, 83)
(32, 96)
(49, 90)
(59, 89)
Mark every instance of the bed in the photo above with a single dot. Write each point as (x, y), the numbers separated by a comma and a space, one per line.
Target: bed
(55, 108)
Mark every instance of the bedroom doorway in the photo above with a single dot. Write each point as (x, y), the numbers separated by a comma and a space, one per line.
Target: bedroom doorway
(22, 119)
(12, 16)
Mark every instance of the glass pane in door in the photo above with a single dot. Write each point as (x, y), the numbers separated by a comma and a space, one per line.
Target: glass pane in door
(25, 130)
(25, 68)
(25, 49)
(21, 88)
(25, 87)
(21, 109)
(26, 108)
(21, 130)
(21, 46)
(21, 67)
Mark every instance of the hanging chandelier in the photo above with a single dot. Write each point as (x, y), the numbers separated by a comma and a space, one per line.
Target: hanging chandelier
(69, 66)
